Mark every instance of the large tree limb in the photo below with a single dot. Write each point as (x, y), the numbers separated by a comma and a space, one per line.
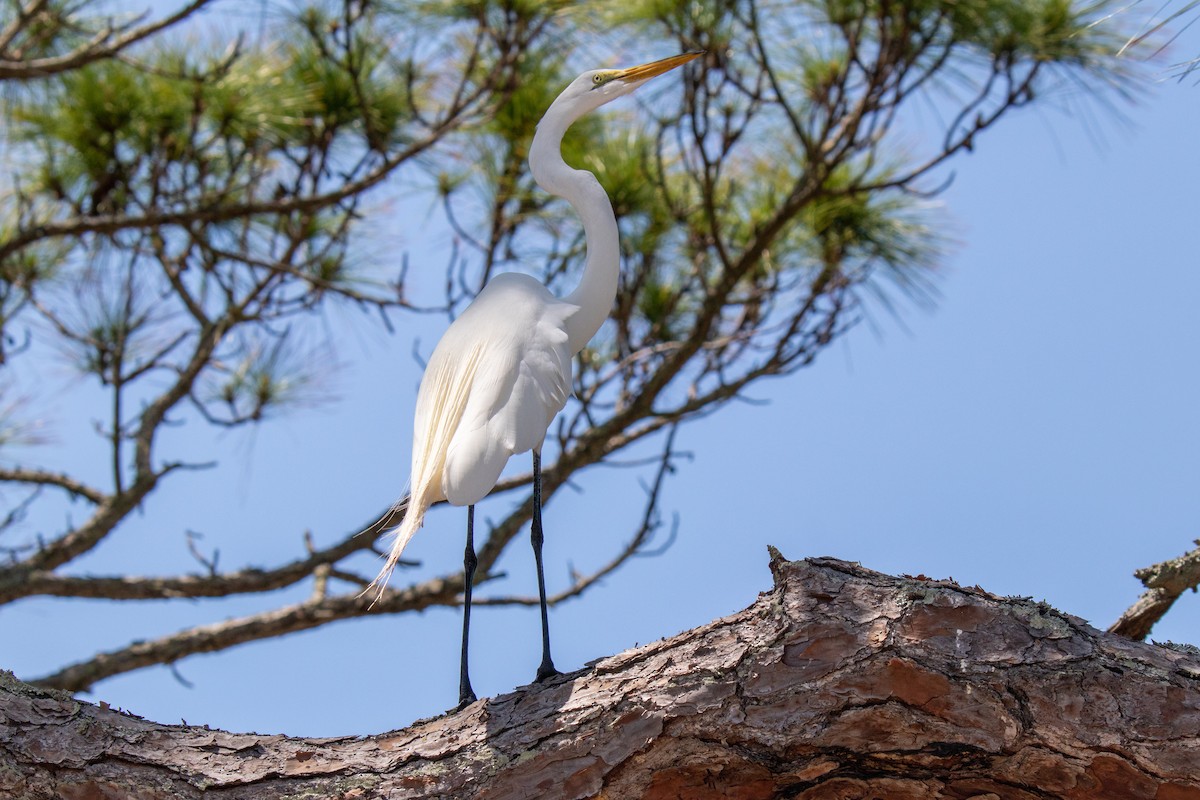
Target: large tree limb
(839, 682)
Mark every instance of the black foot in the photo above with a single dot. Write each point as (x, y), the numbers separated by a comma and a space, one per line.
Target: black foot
(546, 671)
(464, 701)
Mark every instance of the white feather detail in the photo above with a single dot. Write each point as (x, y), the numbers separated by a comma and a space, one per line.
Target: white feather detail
(493, 385)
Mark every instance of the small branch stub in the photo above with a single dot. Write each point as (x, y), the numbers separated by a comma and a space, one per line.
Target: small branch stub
(1165, 583)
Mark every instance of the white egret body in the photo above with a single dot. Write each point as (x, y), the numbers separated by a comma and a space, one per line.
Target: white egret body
(495, 381)
(502, 370)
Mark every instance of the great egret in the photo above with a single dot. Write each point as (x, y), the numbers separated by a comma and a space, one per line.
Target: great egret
(502, 370)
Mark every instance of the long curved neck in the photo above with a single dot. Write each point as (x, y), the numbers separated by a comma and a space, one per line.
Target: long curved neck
(598, 287)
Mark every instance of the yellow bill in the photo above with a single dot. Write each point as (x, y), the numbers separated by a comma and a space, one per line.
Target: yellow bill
(644, 72)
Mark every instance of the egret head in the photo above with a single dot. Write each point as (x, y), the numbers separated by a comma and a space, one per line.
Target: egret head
(596, 87)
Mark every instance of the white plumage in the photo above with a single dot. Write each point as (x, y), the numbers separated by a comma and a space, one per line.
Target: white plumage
(502, 370)
(493, 385)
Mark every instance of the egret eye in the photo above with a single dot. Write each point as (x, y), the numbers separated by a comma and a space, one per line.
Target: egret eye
(597, 79)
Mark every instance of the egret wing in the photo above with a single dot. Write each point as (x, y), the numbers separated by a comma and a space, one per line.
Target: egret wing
(441, 401)
(522, 381)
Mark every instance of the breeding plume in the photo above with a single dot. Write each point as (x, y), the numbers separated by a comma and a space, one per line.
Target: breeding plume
(502, 370)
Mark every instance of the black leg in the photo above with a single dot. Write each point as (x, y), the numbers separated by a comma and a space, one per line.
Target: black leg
(546, 668)
(466, 695)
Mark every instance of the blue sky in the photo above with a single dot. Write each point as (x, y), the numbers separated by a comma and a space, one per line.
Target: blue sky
(1035, 434)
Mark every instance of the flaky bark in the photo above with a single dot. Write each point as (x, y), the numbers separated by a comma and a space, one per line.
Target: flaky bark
(839, 682)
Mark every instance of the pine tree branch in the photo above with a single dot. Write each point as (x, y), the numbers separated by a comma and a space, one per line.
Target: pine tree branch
(219, 584)
(837, 682)
(60, 480)
(105, 43)
(312, 613)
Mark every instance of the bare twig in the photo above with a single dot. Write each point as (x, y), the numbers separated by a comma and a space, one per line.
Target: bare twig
(208, 562)
(70, 485)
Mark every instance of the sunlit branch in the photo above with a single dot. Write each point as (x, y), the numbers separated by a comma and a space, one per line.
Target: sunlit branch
(105, 43)
(67, 483)
(205, 212)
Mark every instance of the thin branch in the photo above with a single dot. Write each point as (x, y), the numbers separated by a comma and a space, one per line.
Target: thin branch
(210, 210)
(244, 581)
(101, 45)
(208, 562)
(277, 622)
(16, 514)
(634, 547)
(107, 516)
(60, 480)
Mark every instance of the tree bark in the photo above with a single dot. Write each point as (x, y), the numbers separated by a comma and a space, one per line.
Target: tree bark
(839, 682)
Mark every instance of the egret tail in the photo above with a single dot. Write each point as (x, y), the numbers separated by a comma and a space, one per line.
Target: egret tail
(414, 516)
